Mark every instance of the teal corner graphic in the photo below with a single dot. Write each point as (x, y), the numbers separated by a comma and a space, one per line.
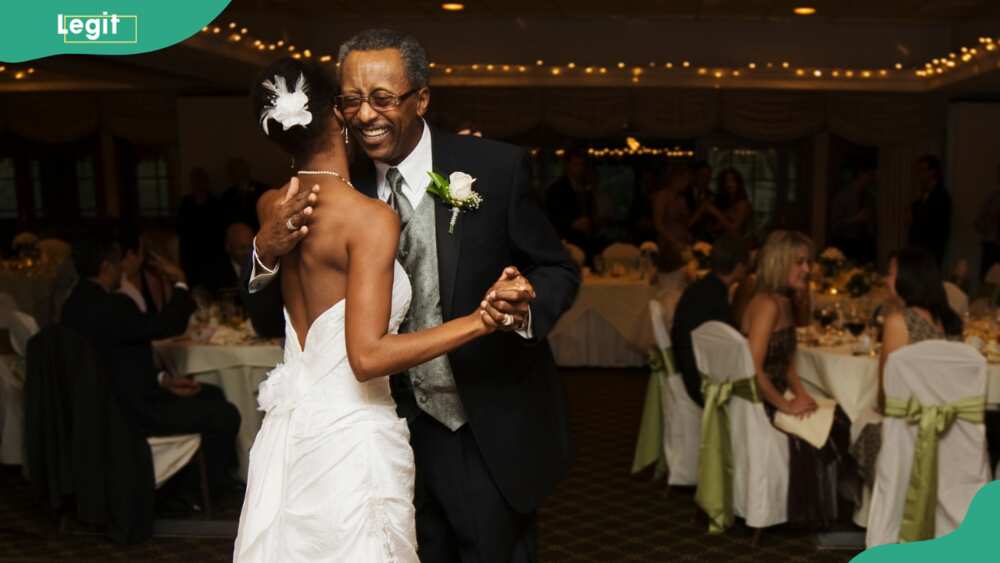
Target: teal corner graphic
(975, 540)
(32, 30)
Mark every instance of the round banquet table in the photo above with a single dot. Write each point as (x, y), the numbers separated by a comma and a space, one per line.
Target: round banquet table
(236, 369)
(853, 380)
(32, 291)
(607, 326)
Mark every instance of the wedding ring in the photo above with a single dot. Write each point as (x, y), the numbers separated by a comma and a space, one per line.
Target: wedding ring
(508, 319)
(290, 226)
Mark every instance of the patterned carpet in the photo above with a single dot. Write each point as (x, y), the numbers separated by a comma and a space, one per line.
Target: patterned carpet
(600, 514)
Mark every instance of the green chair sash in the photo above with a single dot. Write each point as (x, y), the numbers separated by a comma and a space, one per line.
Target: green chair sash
(715, 463)
(649, 447)
(932, 421)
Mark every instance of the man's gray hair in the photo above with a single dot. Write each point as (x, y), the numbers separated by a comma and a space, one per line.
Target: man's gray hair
(418, 70)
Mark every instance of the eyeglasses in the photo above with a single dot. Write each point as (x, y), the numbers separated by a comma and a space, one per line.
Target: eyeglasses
(379, 100)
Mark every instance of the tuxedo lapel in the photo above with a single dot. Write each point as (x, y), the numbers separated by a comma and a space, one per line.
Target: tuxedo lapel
(449, 244)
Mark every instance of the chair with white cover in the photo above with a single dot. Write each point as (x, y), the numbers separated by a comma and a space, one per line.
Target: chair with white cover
(681, 416)
(759, 452)
(576, 253)
(22, 327)
(935, 395)
(957, 299)
(171, 454)
(11, 416)
(7, 306)
(621, 253)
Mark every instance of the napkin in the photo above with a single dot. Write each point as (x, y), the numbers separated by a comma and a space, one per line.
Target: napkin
(815, 428)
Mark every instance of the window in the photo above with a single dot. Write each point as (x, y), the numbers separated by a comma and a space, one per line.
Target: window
(8, 189)
(36, 189)
(152, 187)
(85, 187)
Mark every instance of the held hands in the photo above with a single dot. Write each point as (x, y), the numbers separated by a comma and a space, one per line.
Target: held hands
(506, 304)
(278, 214)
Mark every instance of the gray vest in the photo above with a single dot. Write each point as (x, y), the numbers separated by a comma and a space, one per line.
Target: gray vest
(433, 382)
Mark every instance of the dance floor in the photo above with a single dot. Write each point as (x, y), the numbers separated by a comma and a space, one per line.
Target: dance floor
(600, 514)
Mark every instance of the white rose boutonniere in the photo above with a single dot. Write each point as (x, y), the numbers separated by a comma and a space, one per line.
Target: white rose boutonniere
(455, 191)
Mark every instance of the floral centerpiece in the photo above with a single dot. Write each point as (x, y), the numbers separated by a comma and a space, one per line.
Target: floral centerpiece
(25, 246)
(832, 261)
(835, 274)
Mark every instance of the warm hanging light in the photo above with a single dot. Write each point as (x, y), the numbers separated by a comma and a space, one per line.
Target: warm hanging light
(453, 6)
(804, 10)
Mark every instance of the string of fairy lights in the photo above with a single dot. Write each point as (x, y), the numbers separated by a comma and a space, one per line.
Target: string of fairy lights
(9, 72)
(942, 65)
(234, 33)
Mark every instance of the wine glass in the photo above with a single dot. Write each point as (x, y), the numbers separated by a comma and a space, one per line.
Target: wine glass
(825, 316)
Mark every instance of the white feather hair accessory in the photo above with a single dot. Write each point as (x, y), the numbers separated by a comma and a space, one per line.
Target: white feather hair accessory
(287, 108)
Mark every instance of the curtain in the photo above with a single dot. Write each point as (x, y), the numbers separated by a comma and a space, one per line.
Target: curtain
(61, 117)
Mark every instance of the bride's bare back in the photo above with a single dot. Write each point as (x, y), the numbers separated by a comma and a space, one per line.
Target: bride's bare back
(314, 276)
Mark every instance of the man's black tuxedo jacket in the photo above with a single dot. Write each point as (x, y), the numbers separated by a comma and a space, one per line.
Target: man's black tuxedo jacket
(509, 386)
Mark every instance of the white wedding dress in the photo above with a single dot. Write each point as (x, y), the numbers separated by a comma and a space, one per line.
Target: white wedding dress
(331, 470)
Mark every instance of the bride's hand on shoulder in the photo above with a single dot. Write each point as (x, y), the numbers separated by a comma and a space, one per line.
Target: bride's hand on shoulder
(292, 205)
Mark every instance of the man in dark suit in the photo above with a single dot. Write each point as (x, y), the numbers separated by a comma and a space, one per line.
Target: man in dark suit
(490, 436)
(157, 403)
(707, 300)
(930, 214)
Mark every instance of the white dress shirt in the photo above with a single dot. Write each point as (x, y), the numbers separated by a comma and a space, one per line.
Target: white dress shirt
(413, 169)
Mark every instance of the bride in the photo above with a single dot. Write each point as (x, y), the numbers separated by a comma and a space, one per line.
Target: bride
(331, 471)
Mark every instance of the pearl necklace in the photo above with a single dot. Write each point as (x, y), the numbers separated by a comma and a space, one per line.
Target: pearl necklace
(327, 173)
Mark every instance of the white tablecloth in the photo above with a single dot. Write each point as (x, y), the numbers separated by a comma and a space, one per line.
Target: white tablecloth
(31, 290)
(853, 380)
(607, 326)
(237, 370)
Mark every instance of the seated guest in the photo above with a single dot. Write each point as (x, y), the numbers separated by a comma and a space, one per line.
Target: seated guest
(769, 323)
(923, 314)
(144, 285)
(226, 272)
(156, 403)
(707, 300)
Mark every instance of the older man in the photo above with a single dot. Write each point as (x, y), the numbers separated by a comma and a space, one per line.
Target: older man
(487, 422)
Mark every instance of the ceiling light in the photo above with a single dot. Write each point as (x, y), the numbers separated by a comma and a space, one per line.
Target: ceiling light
(804, 11)
(452, 6)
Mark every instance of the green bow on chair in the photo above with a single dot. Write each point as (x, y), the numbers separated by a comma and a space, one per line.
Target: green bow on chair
(932, 421)
(649, 448)
(715, 463)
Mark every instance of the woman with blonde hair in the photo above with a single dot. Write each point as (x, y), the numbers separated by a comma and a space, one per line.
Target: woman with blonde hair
(769, 324)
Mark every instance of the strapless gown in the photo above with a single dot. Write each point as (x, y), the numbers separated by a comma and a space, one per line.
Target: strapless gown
(331, 470)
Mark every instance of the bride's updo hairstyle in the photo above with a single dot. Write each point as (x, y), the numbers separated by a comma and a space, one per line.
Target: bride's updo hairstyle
(292, 101)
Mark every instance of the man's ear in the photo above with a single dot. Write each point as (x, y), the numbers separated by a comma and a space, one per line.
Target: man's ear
(423, 100)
